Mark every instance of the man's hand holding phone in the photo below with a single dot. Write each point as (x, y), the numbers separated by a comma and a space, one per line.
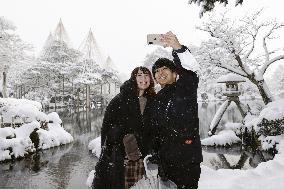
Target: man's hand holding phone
(166, 40)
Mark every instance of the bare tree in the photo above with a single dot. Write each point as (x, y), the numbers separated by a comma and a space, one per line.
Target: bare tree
(233, 46)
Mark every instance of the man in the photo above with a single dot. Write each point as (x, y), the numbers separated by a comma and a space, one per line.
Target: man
(175, 116)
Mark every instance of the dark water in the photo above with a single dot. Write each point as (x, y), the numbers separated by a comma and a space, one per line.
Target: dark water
(68, 166)
(61, 167)
(228, 158)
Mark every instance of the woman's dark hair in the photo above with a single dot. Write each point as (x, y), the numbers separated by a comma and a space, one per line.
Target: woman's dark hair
(150, 91)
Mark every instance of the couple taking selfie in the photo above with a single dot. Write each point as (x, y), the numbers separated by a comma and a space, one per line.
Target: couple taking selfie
(138, 122)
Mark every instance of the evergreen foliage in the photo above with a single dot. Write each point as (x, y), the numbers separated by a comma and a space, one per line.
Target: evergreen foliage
(208, 5)
(271, 127)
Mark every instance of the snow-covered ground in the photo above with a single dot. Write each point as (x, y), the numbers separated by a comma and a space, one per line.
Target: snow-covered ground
(15, 141)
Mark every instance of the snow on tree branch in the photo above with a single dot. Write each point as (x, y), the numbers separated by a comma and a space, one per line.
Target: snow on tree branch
(267, 64)
(230, 68)
(275, 26)
(208, 5)
(234, 46)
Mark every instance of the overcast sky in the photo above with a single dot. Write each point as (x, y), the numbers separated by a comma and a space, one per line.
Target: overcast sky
(120, 26)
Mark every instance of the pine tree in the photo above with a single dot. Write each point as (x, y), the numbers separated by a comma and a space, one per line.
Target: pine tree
(208, 5)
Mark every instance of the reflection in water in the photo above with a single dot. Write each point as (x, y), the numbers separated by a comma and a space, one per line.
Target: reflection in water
(234, 157)
(227, 158)
(36, 164)
(68, 166)
(61, 167)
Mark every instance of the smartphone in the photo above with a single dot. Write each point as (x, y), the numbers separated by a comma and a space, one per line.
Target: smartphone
(154, 39)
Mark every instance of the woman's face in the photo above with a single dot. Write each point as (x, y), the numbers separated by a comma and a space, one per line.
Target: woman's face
(143, 80)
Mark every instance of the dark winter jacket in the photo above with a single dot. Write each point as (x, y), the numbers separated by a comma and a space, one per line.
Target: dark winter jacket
(122, 116)
(175, 119)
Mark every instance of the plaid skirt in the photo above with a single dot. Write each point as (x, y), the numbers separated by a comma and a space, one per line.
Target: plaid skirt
(134, 171)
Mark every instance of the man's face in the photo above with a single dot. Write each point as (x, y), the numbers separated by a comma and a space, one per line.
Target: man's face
(164, 76)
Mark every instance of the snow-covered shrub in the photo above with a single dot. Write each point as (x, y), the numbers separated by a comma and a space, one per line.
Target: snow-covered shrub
(270, 143)
(250, 138)
(270, 120)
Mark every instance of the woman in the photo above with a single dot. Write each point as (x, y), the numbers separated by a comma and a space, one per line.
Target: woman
(128, 112)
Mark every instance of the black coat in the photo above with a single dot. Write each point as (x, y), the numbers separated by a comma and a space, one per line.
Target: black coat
(175, 119)
(122, 116)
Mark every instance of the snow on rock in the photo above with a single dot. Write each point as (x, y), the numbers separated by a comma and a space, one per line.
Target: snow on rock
(42, 117)
(18, 146)
(21, 146)
(236, 127)
(7, 132)
(223, 138)
(55, 136)
(26, 129)
(54, 118)
(4, 154)
(95, 146)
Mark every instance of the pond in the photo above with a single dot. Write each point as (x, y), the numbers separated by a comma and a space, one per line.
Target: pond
(68, 166)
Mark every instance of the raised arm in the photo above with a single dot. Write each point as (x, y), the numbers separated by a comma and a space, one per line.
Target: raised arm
(182, 56)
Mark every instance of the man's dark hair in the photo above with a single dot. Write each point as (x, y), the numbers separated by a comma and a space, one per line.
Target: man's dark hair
(163, 62)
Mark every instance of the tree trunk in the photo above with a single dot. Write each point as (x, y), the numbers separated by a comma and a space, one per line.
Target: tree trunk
(4, 84)
(88, 100)
(264, 91)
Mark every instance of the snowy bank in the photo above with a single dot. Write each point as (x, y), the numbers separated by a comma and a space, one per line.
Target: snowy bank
(21, 144)
(95, 146)
(268, 174)
(223, 138)
(21, 109)
(16, 142)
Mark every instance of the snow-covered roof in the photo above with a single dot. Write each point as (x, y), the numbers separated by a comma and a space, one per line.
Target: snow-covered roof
(230, 77)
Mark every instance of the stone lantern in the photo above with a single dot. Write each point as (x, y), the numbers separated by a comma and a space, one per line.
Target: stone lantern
(232, 93)
(232, 87)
